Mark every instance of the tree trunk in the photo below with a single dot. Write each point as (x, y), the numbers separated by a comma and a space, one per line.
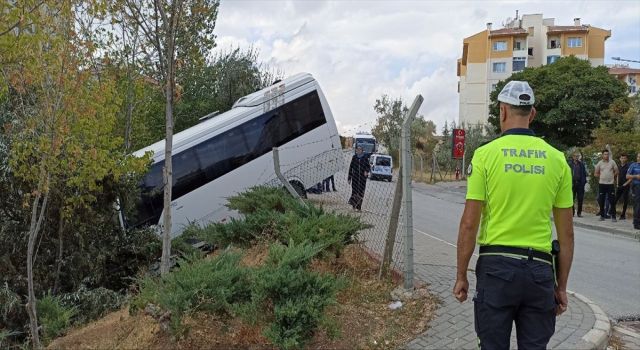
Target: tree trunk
(168, 146)
(34, 229)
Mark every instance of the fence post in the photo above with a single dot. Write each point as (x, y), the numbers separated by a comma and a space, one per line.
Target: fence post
(406, 190)
(283, 180)
(393, 228)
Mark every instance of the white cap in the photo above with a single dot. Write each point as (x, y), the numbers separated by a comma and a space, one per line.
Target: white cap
(517, 93)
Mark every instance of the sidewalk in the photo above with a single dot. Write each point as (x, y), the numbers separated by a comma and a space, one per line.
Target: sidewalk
(589, 221)
(622, 227)
(583, 326)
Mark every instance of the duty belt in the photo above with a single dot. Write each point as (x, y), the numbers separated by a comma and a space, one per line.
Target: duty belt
(528, 253)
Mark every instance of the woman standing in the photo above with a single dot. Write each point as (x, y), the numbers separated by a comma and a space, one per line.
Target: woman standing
(358, 172)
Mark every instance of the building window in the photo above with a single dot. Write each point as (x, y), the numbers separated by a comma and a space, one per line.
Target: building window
(530, 51)
(551, 59)
(554, 44)
(632, 89)
(518, 45)
(575, 42)
(499, 46)
(519, 63)
(499, 67)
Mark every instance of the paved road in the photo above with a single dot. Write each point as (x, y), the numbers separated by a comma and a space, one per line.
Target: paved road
(606, 268)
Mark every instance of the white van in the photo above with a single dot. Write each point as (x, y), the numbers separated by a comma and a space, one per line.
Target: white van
(381, 167)
(228, 154)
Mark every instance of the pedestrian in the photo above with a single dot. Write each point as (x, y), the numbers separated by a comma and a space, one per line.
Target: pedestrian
(327, 181)
(624, 186)
(606, 171)
(514, 183)
(358, 173)
(633, 174)
(579, 179)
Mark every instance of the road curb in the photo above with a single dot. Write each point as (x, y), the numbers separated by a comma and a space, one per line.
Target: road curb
(614, 231)
(598, 336)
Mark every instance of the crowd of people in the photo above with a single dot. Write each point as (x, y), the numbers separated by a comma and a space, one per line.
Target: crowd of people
(616, 184)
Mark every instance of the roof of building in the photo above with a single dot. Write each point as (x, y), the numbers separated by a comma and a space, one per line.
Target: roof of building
(563, 29)
(509, 31)
(623, 70)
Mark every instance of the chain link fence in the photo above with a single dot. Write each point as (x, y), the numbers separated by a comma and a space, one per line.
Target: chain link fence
(333, 191)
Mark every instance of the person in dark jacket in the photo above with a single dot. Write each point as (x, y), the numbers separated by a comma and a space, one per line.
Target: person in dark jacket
(358, 173)
(624, 186)
(579, 179)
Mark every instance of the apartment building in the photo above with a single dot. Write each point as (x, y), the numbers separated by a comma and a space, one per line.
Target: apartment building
(630, 76)
(493, 55)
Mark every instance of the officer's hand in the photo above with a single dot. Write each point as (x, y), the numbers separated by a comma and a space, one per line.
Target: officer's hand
(562, 301)
(461, 289)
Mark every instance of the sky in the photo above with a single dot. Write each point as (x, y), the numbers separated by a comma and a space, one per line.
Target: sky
(360, 50)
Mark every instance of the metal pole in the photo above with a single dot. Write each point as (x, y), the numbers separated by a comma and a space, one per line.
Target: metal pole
(406, 191)
(283, 180)
(392, 229)
(463, 170)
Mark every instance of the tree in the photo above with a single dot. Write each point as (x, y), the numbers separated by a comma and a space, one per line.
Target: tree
(620, 128)
(174, 31)
(570, 99)
(219, 84)
(61, 150)
(388, 126)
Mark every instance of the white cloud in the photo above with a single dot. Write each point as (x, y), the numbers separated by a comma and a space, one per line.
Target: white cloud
(359, 50)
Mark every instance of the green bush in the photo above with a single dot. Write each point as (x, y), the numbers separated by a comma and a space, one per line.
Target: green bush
(92, 304)
(54, 317)
(198, 285)
(298, 297)
(334, 231)
(263, 197)
(13, 316)
(282, 294)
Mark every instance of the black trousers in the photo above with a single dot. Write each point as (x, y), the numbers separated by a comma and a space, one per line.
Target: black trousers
(578, 193)
(508, 290)
(636, 206)
(623, 192)
(358, 186)
(608, 192)
(325, 184)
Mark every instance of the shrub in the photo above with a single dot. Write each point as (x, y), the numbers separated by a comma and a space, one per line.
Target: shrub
(92, 304)
(13, 315)
(209, 285)
(334, 231)
(54, 317)
(297, 296)
(263, 197)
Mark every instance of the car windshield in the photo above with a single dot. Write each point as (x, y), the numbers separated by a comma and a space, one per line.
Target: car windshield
(368, 145)
(383, 161)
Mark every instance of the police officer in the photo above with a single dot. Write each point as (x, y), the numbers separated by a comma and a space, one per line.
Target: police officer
(514, 183)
